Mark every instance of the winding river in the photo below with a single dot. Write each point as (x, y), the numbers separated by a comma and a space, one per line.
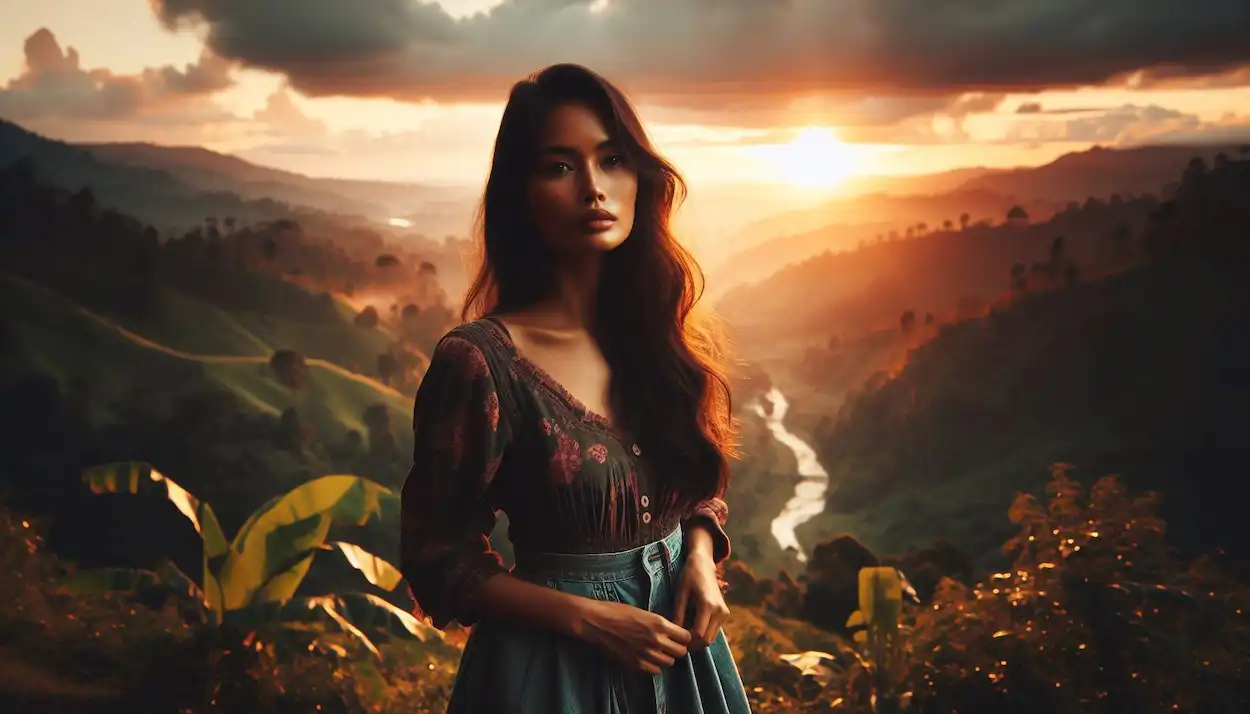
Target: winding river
(809, 493)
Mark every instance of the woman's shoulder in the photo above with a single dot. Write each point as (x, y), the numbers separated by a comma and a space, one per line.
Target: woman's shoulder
(476, 341)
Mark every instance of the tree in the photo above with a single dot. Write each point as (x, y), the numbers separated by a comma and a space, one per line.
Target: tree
(367, 318)
(290, 431)
(963, 221)
(269, 248)
(1017, 216)
(1122, 242)
(947, 225)
(907, 321)
(290, 369)
(82, 204)
(377, 421)
(1056, 249)
(1019, 277)
(387, 367)
(386, 261)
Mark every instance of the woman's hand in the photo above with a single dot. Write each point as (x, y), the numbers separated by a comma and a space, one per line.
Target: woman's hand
(699, 590)
(631, 635)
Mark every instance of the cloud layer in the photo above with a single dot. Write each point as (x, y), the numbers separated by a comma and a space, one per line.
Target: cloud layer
(54, 84)
(695, 50)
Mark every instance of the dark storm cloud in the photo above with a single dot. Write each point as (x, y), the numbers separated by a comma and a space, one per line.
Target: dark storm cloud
(697, 50)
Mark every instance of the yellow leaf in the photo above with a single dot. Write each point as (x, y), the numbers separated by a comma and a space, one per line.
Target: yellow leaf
(274, 564)
(376, 570)
(878, 583)
(251, 562)
(141, 478)
(856, 619)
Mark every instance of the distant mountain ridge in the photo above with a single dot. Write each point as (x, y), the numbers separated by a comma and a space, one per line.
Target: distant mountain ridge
(174, 187)
(213, 171)
(883, 203)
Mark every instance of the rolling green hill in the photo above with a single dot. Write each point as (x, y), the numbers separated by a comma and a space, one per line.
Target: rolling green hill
(53, 335)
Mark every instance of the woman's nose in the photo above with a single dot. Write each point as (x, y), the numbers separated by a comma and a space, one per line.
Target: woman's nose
(593, 190)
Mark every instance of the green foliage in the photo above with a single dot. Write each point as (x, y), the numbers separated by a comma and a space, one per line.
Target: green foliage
(66, 649)
(1096, 614)
(249, 583)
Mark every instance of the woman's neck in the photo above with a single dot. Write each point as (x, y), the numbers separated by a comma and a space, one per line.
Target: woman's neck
(573, 301)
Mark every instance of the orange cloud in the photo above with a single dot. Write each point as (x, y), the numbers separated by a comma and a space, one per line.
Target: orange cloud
(54, 84)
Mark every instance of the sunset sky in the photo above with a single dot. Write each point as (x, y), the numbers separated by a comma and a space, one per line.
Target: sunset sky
(800, 92)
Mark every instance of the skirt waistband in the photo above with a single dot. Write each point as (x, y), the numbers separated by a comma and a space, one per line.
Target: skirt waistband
(652, 557)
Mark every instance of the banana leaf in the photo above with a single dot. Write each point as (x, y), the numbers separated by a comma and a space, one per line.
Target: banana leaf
(376, 570)
(880, 596)
(274, 573)
(349, 500)
(141, 478)
(339, 499)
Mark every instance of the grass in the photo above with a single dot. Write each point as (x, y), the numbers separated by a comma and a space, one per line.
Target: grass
(52, 334)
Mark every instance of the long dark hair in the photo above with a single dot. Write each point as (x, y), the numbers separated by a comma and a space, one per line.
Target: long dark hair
(668, 385)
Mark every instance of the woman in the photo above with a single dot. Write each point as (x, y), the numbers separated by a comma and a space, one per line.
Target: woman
(585, 404)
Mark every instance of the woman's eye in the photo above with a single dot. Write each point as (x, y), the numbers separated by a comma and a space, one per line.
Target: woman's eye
(558, 168)
(614, 160)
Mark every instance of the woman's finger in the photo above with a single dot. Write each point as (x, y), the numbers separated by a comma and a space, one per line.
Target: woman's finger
(702, 618)
(719, 615)
(660, 658)
(679, 607)
(672, 648)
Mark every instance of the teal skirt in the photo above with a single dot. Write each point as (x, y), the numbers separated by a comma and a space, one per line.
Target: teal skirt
(508, 667)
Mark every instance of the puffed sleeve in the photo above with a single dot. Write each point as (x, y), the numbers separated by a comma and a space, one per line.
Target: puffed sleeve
(713, 513)
(447, 514)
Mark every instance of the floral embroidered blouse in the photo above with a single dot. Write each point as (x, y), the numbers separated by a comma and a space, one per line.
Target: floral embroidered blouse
(494, 432)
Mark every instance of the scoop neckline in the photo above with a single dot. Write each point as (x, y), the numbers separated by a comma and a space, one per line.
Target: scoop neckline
(544, 378)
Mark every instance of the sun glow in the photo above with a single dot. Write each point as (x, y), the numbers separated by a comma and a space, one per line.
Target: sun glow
(815, 158)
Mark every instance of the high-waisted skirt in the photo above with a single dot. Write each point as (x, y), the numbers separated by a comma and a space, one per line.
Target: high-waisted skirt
(510, 668)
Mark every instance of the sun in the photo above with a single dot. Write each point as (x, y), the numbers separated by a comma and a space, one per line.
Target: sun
(815, 158)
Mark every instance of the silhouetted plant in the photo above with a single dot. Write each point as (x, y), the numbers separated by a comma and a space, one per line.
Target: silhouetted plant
(367, 318)
(907, 322)
(290, 369)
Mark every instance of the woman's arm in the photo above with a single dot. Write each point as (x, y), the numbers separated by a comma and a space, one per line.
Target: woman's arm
(631, 635)
(706, 524)
(459, 438)
(699, 598)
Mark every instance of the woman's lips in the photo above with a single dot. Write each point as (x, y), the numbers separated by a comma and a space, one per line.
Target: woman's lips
(599, 225)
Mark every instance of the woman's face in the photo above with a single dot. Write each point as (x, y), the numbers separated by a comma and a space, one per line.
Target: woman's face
(581, 192)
